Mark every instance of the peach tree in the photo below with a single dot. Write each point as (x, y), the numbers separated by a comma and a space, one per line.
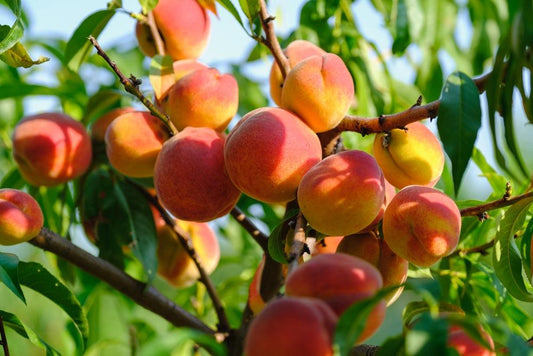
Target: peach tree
(309, 199)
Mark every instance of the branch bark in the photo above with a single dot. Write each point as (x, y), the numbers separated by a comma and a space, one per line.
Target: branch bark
(248, 225)
(271, 40)
(142, 294)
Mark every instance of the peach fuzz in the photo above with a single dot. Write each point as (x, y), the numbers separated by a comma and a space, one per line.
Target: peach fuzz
(268, 152)
(203, 98)
(340, 280)
(190, 177)
(295, 52)
(465, 345)
(374, 250)
(174, 264)
(422, 225)
(133, 141)
(410, 157)
(343, 193)
(21, 217)
(51, 148)
(319, 90)
(101, 124)
(292, 327)
(184, 27)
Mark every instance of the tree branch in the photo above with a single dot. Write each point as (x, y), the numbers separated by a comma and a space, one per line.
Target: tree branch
(185, 240)
(249, 226)
(271, 41)
(385, 123)
(142, 294)
(298, 243)
(3, 338)
(131, 85)
(480, 210)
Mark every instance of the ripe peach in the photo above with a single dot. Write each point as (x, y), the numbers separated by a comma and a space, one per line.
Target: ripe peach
(51, 148)
(390, 192)
(174, 264)
(21, 217)
(422, 224)
(374, 250)
(326, 245)
(319, 90)
(133, 141)
(343, 193)
(466, 346)
(102, 123)
(190, 177)
(203, 98)
(292, 327)
(184, 26)
(167, 73)
(268, 152)
(340, 280)
(185, 66)
(296, 52)
(412, 157)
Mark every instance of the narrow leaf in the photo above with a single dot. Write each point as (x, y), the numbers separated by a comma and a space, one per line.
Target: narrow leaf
(14, 323)
(79, 46)
(496, 181)
(459, 121)
(142, 226)
(527, 251)
(35, 276)
(10, 35)
(401, 27)
(278, 236)
(227, 4)
(14, 5)
(506, 259)
(9, 274)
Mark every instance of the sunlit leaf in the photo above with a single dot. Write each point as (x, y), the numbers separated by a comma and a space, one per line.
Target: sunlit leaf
(459, 122)
(505, 257)
(228, 5)
(9, 36)
(17, 56)
(161, 75)
(9, 274)
(148, 5)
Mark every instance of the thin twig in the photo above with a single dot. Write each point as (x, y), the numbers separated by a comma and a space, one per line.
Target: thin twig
(249, 226)
(298, 243)
(131, 85)
(158, 41)
(478, 210)
(3, 338)
(271, 41)
(384, 123)
(142, 294)
(185, 239)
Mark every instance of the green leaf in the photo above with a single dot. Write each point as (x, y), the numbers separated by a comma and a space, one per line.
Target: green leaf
(33, 275)
(148, 5)
(278, 236)
(9, 36)
(427, 337)
(142, 226)
(401, 26)
(459, 121)
(250, 8)
(392, 346)
(228, 5)
(101, 102)
(352, 322)
(19, 89)
(14, 5)
(496, 181)
(14, 323)
(505, 257)
(17, 56)
(527, 253)
(9, 274)
(78, 46)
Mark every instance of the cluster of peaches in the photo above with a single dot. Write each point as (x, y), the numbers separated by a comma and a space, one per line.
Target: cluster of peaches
(273, 155)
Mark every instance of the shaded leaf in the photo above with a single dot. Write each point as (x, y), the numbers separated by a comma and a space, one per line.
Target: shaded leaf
(14, 323)
(427, 337)
(505, 257)
(17, 56)
(33, 275)
(527, 252)
(9, 274)
(78, 46)
(401, 27)
(278, 236)
(459, 122)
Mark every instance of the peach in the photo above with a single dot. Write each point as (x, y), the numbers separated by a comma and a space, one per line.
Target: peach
(184, 27)
(174, 264)
(412, 157)
(390, 192)
(421, 224)
(165, 74)
(327, 245)
(292, 327)
(21, 217)
(374, 250)
(319, 90)
(203, 98)
(255, 300)
(133, 141)
(465, 345)
(185, 66)
(102, 123)
(340, 280)
(190, 177)
(268, 152)
(296, 52)
(343, 193)
(51, 148)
